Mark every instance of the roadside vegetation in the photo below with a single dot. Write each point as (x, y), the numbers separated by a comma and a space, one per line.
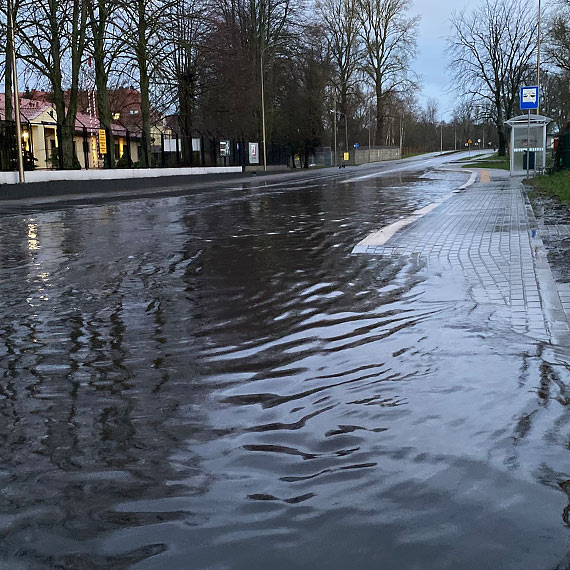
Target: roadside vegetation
(556, 185)
(494, 161)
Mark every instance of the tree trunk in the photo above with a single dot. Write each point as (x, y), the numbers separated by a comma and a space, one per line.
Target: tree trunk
(145, 113)
(379, 115)
(502, 140)
(9, 110)
(65, 137)
(186, 101)
(101, 79)
(501, 129)
(142, 60)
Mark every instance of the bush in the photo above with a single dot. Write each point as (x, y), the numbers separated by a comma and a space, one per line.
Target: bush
(123, 162)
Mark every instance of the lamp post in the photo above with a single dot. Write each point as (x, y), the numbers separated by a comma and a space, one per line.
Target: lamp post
(345, 129)
(369, 129)
(263, 112)
(538, 58)
(334, 127)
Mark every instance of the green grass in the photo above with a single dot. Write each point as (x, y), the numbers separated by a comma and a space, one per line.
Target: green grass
(470, 158)
(493, 161)
(556, 185)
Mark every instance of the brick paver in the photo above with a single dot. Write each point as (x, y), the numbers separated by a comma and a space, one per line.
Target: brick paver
(489, 231)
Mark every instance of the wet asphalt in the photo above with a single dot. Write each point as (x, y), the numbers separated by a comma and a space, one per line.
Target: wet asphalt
(204, 376)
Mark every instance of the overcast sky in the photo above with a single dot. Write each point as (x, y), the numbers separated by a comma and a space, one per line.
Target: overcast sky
(431, 62)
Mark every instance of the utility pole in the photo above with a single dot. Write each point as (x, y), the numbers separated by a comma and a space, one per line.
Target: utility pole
(538, 60)
(334, 128)
(263, 113)
(346, 132)
(455, 135)
(401, 135)
(369, 128)
(22, 178)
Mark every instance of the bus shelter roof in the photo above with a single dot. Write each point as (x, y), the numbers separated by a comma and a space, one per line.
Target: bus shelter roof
(523, 120)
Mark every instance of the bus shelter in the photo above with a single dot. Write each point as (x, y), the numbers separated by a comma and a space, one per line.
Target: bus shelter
(528, 144)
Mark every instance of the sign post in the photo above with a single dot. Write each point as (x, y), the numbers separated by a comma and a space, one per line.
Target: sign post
(253, 153)
(102, 141)
(529, 100)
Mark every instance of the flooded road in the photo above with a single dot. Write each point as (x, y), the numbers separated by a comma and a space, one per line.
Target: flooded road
(215, 382)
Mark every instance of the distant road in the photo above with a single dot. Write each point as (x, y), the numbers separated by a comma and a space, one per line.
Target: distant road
(102, 190)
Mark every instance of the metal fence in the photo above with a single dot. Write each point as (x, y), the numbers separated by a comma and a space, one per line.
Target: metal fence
(95, 145)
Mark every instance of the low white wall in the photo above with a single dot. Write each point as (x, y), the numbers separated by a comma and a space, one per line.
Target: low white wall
(96, 174)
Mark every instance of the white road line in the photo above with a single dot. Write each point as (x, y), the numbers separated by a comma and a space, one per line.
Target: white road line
(381, 236)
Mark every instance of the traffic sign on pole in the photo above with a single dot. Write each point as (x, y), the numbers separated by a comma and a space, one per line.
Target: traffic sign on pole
(529, 97)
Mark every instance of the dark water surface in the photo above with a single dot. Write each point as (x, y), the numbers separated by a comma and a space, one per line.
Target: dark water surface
(215, 382)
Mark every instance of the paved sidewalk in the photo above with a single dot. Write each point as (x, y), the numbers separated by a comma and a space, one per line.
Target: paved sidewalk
(489, 231)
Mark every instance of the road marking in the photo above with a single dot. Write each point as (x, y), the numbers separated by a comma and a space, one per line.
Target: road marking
(485, 176)
(381, 236)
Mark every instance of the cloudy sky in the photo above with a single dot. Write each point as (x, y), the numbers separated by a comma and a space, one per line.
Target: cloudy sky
(431, 62)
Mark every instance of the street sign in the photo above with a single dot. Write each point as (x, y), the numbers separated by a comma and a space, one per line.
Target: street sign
(224, 148)
(346, 156)
(356, 145)
(253, 153)
(529, 98)
(102, 141)
(469, 141)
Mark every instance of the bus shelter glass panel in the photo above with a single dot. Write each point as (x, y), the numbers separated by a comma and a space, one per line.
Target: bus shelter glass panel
(527, 145)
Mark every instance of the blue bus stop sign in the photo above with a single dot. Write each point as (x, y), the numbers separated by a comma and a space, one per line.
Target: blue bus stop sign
(529, 98)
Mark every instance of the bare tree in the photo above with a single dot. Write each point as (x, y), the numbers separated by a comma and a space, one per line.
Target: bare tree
(341, 24)
(558, 37)
(52, 40)
(9, 12)
(388, 35)
(491, 52)
(105, 45)
(140, 23)
(184, 63)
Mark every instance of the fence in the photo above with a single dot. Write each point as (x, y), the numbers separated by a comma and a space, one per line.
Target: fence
(8, 150)
(324, 155)
(89, 146)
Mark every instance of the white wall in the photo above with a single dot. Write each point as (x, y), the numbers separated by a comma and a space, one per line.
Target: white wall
(96, 174)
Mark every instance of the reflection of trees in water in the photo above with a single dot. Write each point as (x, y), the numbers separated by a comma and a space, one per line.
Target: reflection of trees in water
(99, 370)
(551, 382)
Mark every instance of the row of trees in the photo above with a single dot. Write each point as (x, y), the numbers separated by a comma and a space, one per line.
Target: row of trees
(204, 61)
(493, 52)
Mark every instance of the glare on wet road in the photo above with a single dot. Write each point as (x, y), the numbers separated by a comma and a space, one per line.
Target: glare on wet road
(215, 381)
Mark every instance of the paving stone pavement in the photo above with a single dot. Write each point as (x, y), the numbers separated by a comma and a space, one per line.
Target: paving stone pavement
(489, 231)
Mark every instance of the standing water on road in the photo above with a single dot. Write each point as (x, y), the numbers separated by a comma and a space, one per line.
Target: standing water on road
(215, 382)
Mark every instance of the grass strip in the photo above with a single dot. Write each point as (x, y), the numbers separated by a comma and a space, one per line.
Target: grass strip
(556, 185)
(493, 161)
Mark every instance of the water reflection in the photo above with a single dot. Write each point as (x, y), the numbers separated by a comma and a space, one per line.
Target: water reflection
(217, 379)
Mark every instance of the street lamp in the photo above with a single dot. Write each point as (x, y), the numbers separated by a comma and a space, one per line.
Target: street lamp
(345, 129)
(263, 112)
(538, 57)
